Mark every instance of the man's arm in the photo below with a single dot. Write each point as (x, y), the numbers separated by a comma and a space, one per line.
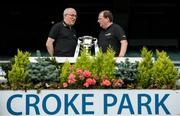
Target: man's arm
(123, 48)
(49, 46)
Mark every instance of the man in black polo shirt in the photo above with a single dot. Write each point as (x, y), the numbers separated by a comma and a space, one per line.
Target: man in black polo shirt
(62, 38)
(112, 35)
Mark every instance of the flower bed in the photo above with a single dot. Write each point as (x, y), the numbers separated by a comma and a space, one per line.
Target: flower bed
(90, 85)
(98, 72)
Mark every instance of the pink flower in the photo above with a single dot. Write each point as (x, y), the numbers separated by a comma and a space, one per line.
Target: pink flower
(86, 84)
(79, 71)
(106, 82)
(86, 73)
(71, 78)
(90, 81)
(93, 81)
(65, 84)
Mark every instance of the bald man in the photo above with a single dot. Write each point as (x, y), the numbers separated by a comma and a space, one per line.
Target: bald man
(62, 40)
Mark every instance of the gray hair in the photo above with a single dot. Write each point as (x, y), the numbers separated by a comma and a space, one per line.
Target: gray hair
(67, 10)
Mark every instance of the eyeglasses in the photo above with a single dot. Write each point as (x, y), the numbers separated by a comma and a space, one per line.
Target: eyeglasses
(72, 15)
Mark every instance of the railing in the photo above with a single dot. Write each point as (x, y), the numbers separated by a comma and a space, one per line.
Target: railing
(73, 59)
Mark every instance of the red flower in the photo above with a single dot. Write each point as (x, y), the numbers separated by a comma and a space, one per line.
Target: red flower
(86, 84)
(79, 71)
(93, 81)
(71, 78)
(106, 82)
(90, 81)
(86, 73)
(65, 84)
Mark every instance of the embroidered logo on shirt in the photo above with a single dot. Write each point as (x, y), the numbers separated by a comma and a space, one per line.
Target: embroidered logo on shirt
(108, 34)
(124, 36)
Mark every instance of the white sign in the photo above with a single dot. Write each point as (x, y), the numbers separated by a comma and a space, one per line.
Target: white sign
(105, 102)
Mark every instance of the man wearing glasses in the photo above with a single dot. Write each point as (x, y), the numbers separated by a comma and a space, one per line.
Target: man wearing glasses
(62, 38)
(112, 35)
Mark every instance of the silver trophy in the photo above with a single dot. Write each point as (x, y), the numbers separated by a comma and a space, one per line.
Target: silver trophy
(87, 42)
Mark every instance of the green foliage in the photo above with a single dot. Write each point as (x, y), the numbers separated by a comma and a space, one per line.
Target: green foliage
(65, 71)
(97, 64)
(104, 65)
(43, 71)
(127, 70)
(144, 68)
(108, 64)
(7, 66)
(18, 72)
(91, 72)
(53, 61)
(101, 67)
(160, 74)
(84, 61)
(164, 72)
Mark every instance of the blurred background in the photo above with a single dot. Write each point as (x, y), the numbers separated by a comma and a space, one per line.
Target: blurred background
(150, 23)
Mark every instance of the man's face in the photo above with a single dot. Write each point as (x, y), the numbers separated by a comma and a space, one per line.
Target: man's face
(102, 21)
(70, 17)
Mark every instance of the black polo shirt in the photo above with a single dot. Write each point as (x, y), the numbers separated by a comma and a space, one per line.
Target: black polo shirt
(65, 39)
(111, 37)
